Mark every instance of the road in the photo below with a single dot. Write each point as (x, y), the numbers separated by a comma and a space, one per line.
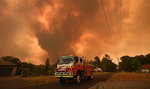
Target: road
(84, 84)
(132, 84)
(13, 83)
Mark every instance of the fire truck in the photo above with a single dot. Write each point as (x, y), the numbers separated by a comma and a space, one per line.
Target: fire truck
(73, 68)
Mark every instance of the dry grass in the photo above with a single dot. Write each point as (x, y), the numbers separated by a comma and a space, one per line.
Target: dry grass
(41, 79)
(100, 73)
(49, 79)
(130, 76)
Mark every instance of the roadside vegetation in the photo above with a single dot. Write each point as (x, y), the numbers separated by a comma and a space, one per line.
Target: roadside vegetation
(125, 64)
(133, 63)
(40, 79)
(127, 76)
(105, 63)
(26, 69)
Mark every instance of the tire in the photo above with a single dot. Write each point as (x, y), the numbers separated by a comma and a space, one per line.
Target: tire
(90, 77)
(62, 80)
(78, 79)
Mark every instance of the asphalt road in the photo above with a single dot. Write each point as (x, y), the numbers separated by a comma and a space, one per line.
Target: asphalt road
(13, 83)
(70, 85)
(138, 84)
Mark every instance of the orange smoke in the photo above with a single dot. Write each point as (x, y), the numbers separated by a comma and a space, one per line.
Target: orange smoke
(36, 29)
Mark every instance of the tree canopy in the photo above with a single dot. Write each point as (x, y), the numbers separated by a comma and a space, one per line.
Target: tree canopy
(130, 64)
(106, 63)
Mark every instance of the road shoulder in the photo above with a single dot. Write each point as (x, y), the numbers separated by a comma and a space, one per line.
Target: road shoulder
(122, 85)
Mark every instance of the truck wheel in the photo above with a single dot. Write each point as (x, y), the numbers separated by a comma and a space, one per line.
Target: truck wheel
(62, 80)
(78, 79)
(90, 77)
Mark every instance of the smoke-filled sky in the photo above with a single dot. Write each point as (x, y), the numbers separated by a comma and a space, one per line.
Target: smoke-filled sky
(34, 30)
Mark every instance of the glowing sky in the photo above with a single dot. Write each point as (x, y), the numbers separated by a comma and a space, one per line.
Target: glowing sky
(34, 30)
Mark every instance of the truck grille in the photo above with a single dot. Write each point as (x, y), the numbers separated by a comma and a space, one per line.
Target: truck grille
(63, 74)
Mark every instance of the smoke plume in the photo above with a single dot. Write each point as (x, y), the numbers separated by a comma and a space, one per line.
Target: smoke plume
(36, 29)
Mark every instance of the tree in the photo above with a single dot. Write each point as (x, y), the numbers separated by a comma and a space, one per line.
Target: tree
(130, 64)
(107, 57)
(11, 59)
(26, 69)
(39, 70)
(97, 62)
(47, 66)
(126, 64)
(141, 59)
(104, 64)
(135, 65)
(107, 64)
(147, 59)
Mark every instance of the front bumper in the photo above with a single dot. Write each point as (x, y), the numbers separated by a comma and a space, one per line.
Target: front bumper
(63, 74)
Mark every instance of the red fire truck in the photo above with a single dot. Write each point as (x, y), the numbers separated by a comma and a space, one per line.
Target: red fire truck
(74, 68)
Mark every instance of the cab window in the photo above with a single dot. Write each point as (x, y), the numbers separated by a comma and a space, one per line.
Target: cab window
(76, 59)
(81, 60)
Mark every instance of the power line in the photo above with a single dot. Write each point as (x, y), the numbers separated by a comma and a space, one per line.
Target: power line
(112, 23)
(109, 20)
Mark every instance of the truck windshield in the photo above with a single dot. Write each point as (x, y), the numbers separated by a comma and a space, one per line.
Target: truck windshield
(65, 61)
